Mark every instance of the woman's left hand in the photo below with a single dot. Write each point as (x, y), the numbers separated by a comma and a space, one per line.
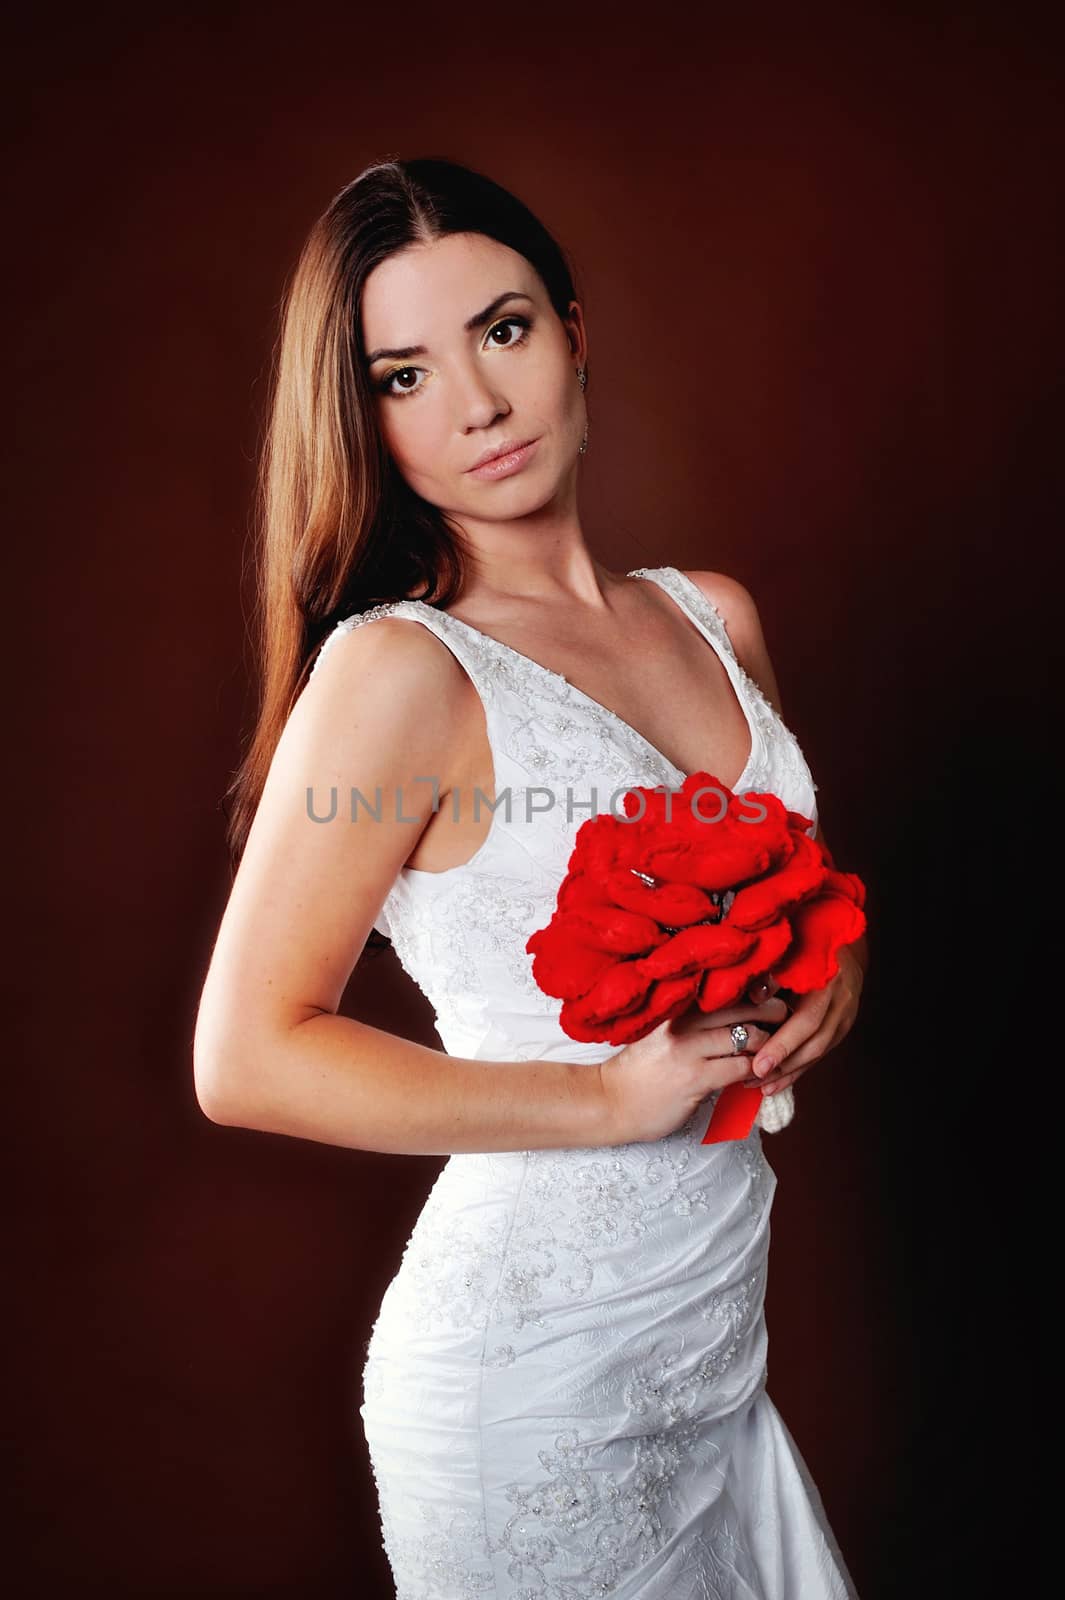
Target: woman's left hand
(818, 1023)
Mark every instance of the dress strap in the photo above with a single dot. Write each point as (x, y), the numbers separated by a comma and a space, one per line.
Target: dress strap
(437, 622)
(756, 710)
(691, 599)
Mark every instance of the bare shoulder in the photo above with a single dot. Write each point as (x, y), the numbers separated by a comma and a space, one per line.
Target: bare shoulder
(391, 681)
(399, 654)
(402, 641)
(739, 612)
(729, 596)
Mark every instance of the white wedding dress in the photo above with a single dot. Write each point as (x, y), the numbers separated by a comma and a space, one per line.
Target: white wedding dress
(565, 1389)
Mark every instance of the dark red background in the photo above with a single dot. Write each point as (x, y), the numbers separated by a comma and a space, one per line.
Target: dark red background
(824, 331)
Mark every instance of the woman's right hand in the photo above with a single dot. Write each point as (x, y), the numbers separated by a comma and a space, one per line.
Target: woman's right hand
(653, 1085)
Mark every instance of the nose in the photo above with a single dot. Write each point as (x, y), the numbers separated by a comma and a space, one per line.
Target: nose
(479, 401)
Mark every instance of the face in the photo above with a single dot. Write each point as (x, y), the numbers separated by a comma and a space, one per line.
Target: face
(469, 390)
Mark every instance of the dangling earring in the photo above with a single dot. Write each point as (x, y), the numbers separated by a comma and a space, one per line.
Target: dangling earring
(582, 378)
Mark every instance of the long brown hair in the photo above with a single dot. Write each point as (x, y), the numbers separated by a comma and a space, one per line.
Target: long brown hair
(339, 529)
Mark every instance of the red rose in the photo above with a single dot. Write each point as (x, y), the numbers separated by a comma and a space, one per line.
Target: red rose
(689, 902)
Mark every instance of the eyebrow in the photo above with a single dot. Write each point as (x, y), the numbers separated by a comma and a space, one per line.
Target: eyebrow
(478, 320)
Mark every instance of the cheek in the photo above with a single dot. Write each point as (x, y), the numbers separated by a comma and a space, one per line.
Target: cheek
(411, 440)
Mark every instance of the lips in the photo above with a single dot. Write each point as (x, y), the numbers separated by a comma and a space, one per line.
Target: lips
(494, 453)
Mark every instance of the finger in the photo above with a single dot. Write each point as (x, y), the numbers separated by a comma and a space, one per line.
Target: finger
(779, 1075)
(792, 1069)
(784, 1081)
(771, 1014)
(812, 1050)
(799, 1030)
(719, 1042)
(814, 1020)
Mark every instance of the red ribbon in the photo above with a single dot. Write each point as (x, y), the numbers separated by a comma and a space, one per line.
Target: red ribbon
(734, 1113)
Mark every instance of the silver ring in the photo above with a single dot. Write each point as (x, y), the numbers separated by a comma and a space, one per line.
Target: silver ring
(739, 1035)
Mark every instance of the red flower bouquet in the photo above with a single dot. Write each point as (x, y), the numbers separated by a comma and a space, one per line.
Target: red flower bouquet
(688, 900)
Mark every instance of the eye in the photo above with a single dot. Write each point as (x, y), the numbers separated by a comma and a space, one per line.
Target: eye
(384, 385)
(517, 322)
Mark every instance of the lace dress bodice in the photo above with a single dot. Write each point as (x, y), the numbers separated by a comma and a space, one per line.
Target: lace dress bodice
(461, 933)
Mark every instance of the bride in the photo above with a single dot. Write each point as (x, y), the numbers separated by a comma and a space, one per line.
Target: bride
(565, 1386)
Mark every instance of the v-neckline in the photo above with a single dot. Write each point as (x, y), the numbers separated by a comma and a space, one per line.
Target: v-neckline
(754, 753)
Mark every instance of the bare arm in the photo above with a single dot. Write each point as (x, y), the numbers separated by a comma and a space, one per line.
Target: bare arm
(387, 706)
(341, 1081)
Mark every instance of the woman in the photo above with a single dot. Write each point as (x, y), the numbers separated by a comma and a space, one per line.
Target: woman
(565, 1387)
